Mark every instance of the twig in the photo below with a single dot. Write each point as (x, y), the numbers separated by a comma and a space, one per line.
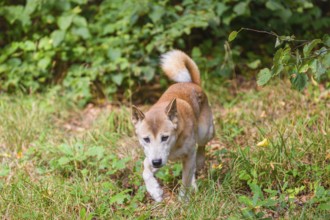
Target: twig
(271, 33)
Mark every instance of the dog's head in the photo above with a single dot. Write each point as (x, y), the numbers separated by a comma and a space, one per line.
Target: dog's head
(156, 131)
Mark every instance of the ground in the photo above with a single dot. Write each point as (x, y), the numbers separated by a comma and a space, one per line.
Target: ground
(270, 159)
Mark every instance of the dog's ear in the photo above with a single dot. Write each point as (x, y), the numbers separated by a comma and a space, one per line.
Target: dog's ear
(172, 112)
(137, 115)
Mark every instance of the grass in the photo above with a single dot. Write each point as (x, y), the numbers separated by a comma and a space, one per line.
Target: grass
(61, 162)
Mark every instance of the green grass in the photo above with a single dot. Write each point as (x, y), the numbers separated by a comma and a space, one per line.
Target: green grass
(61, 162)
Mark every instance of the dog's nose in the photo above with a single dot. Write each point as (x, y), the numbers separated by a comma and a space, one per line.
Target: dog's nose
(157, 163)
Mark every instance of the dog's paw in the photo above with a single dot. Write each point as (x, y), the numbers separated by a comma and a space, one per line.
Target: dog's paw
(183, 195)
(157, 194)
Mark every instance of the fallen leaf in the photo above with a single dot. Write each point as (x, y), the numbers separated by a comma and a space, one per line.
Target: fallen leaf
(219, 167)
(263, 143)
(263, 114)
(19, 155)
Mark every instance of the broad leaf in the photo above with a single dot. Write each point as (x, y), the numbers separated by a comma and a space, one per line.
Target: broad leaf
(264, 76)
(255, 64)
(299, 81)
(232, 36)
(310, 46)
(44, 63)
(82, 32)
(242, 8)
(63, 160)
(114, 54)
(96, 151)
(117, 78)
(64, 22)
(57, 37)
(80, 21)
(317, 69)
(278, 42)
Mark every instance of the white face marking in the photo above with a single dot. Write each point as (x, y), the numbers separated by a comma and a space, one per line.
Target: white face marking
(156, 148)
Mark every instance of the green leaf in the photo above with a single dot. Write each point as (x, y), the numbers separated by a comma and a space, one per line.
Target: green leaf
(277, 69)
(114, 54)
(45, 43)
(255, 64)
(82, 32)
(277, 56)
(196, 52)
(319, 191)
(96, 151)
(326, 40)
(304, 68)
(324, 206)
(63, 160)
(264, 76)
(157, 13)
(120, 164)
(285, 14)
(148, 73)
(117, 78)
(221, 8)
(268, 203)
(317, 69)
(232, 36)
(119, 198)
(257, 193)
(29, 46)
(80, 2)
(299, 81)
(242, 8)
(4, 170)
(310, 46)
(44, 63)
(80, 21)
(64, 21)
(66, 149)
(278, 42)
(57, 37)
(246, 201)
(274, 5)
(325, 60)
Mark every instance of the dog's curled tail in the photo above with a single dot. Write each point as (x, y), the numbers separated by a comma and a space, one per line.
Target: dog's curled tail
(179, 67)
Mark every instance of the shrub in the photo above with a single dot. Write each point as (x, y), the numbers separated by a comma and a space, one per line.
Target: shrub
(107, 47)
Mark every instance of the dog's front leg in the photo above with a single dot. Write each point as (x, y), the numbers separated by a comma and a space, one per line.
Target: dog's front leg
(152, 185)
(188, 174)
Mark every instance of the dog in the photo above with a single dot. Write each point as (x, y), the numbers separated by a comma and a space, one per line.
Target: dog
(177, 126)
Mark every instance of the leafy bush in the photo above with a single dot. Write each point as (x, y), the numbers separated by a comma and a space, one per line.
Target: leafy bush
(312, 61)
(102, 48)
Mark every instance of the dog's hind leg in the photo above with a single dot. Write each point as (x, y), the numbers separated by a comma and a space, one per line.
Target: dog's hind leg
(152, 185)
(205, 133)
(200, 157)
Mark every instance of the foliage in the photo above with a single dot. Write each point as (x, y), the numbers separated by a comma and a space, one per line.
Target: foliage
(106, 49)
(311, 62)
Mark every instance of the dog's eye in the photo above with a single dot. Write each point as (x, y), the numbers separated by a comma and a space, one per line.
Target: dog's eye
(147, 140)
(164, 138)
